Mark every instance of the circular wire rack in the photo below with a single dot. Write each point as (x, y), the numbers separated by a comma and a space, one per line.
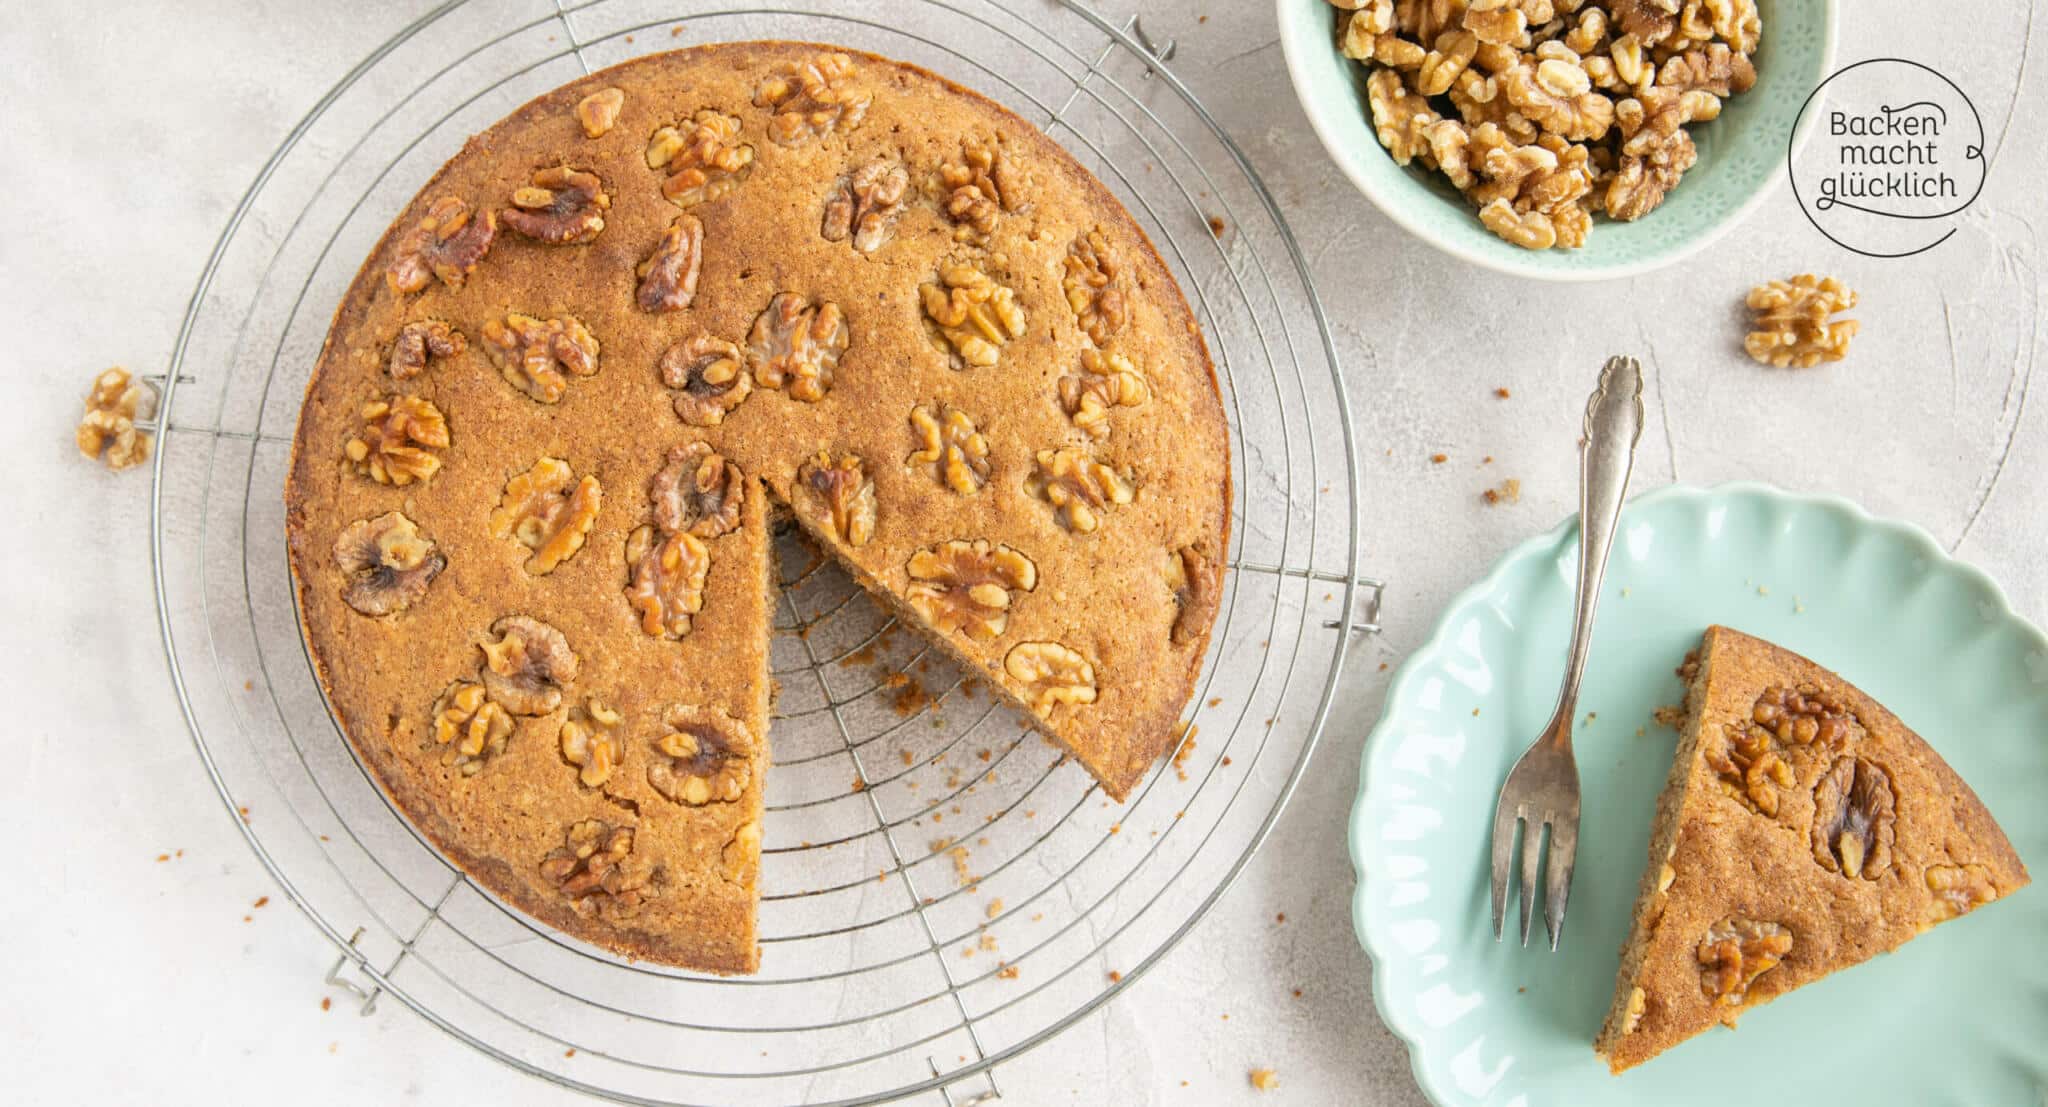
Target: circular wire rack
(940, 889)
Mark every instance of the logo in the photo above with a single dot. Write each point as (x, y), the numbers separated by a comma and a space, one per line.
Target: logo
(1896, 154)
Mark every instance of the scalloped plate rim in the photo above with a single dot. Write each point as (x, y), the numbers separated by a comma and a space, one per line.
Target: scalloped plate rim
(1555, 538)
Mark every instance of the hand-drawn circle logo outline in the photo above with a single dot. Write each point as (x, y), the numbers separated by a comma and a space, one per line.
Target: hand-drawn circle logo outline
(1973, 152)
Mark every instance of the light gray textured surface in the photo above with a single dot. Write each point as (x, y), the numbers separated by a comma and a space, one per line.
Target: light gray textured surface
(133, 128)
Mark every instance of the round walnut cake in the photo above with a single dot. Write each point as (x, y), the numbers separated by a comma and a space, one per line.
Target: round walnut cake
(539, 459)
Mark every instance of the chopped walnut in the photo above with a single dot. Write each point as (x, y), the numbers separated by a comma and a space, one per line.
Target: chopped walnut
(421, 341)
(599, 110)
(862, 207)
(708, 378)
(742, 854)
(795, 344)
(1734, 952)
(1093, 282)
(842, 493)
(1105, 381)
(399, 442)
(949, 443)
(983, 184)
(697, 492)
(968, 586)
(811, 98)
(1531, 230)
(387, 564)
(1958, 889)
(668, 278)
(1712, 68)
(448, 242)
(533, 354)
(1051, 674)
(1078, 487)
(527, 665)
(1400, 118)
(1853, 816)
(107, 432)
(547, 510)
(1656, 149)
(469, 727)
(596, 869)
(1638, 1002)
(562, 206)
(703, 158)
(1191, 577)
(1791, 325)
(704, 756)
(666, 575)
(1446, 62)
(590, 741)
(971, 315)
(1264, 1080)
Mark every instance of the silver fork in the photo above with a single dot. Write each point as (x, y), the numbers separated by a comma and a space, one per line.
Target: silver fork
(1542, 790)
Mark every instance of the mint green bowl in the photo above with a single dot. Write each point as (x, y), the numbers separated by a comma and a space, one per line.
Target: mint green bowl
(1957, 1017)
(1742, 154)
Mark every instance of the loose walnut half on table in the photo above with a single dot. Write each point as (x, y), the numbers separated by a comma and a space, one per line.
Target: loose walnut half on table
(107, 432)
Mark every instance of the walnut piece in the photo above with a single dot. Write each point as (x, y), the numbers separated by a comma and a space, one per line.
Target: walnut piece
(562, 206)
(1092, 279)
(1804, 715)
(1750, 757)
(399, 442)
(387, 564)
(1791, 326)
(948, 442)
(968, 586)
(811, 98)
(421, 341)
(842, 493)
(705, 756)
(1749, 767)
(527, 664)
(590, 741)
(596, 869)
(668, 278)
(1191, 577)
(708, 378)
(1051, 673)
(703, 158)
(1853, 815)
(1078, 487)
(1400, 118)
(982, 185)
(534, 354)
(666, 574)
(1104, 381)
(972, 317)
(794, 345)
(599, 110)
(547, 510)
(107, 431)
(1734, 952)
(469, 728)
(1958, 889)
(862, 207)
(448, 242)
(697, 492)
(742, 854)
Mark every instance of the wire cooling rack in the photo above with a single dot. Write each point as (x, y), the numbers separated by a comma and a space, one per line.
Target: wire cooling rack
(941, 891)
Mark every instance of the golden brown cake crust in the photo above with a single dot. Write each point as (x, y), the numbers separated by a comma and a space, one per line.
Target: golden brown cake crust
(1113, 595)
(1742, 846)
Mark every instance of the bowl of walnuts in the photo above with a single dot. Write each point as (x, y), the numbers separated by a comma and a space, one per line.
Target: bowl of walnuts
(1560, 139)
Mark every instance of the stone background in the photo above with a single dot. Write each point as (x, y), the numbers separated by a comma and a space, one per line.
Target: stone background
(134, 127)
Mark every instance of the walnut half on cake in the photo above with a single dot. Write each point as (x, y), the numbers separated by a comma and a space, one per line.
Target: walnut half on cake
(1803, 829)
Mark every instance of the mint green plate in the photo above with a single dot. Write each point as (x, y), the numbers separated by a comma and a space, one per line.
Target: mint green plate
(1742, 153)
(1957, 1016)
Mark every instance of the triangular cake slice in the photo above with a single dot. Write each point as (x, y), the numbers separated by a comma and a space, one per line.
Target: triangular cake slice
(1803, 830)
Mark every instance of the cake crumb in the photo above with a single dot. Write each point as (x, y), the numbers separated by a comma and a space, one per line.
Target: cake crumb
(1669, 715)
(1502, 393)
(1215, 701)
(1383, 666)
(1265, 1080)
(995, 907)
(859, 785)
(1509, 491)
(1281, 918)
(261, 901)
(326, 1003)
(1763, 589)
(570, 1052)
(1007, 972)
(1439, 459)
(1217, 226)
(1115, 977)
(161, 857)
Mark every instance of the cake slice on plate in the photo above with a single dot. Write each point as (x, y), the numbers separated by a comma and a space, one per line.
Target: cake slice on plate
(1803, 830)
